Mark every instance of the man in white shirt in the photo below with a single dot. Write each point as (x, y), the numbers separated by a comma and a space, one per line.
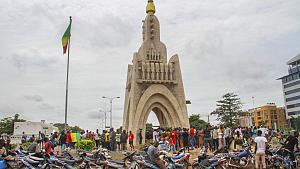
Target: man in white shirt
(260, 149)
(155, 136)
(227, 134)
(264, 131)
(215, 139)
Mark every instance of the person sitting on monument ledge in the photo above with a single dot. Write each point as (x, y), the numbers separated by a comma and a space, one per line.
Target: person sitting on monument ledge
(154, 153)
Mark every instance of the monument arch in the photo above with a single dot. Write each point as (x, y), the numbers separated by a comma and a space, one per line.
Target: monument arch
(154, 83)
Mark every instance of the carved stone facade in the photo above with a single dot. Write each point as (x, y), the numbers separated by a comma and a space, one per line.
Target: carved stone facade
(153, 83)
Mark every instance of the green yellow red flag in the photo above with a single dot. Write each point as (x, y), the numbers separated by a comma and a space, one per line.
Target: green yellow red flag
(66, 38)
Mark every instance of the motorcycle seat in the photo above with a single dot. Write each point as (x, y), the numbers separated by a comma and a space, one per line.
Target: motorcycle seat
(32, 161)
(36, 158)
(151, 165)
(179, 156)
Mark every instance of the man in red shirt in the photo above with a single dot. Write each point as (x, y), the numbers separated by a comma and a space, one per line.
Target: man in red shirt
(130, 138)
(192, 137)
(172, 142)
(48, 146)
(69, 139)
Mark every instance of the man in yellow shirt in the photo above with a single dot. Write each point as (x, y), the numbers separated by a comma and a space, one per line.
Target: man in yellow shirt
(106, 140)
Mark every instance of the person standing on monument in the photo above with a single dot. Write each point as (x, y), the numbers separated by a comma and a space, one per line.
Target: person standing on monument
(192, 138)
(97, 139)
(124, 138)
(112, 141)
(107, 140)
(130, 138)
(140, 137)
(118, 140)
(200, 138)
(62, 140)
(185, 136)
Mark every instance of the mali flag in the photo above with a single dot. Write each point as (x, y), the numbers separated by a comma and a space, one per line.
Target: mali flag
(66, 37)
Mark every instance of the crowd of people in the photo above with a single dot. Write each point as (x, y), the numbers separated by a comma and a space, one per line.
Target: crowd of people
(112, 140)
(173, 139)
(215, 138)
(212, 137)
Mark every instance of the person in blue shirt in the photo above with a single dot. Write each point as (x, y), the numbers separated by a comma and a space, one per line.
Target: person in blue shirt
(254, 133)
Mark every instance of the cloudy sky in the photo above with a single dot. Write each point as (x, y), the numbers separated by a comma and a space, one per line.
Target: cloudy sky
(224, 46)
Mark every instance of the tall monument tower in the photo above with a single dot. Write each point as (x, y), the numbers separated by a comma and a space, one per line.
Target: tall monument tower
(153, 83)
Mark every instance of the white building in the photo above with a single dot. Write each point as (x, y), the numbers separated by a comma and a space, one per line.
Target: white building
(291, 87)
(245, 121)
(31, 128)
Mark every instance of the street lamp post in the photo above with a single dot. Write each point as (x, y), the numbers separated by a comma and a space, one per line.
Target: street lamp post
(104, 118)
(111, 102)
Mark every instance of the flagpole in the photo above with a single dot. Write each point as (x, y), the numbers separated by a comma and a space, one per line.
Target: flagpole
(67, 81)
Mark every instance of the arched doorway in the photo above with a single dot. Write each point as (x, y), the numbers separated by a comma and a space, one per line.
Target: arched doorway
(158, 99)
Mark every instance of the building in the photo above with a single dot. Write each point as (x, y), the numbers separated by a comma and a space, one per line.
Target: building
(31, 128)
(291, 88)
(245, 121)
(269, 115)
(154, 82)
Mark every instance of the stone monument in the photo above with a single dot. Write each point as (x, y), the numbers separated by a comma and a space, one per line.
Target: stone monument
(153, 83)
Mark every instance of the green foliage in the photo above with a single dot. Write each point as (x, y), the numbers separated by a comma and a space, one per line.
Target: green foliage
(120, 129)
(26, 145)
(295, 123)
(13, 146)
(228, 110)
(86, 145)
(60, 126)
(286, 130)
(7, 124)
(75, 129)
(149, 127)
(196, 122)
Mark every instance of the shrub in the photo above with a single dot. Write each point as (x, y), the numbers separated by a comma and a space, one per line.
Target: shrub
(13, 146)
(86, 145)
(25, 145)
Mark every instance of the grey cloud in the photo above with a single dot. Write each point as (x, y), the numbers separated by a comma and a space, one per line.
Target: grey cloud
(223, 46)
(46, 106)
(108, 34)
(33, 57)
(94, 115)
(35, 98)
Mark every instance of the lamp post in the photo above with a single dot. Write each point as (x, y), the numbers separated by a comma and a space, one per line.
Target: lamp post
(104, 118)
(111, 101)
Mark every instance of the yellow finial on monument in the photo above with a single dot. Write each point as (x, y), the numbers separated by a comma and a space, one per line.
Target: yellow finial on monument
(150, 7)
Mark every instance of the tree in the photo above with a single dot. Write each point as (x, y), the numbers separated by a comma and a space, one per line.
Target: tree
(228, 110)
(149, 127)
(74, 129)
(295, 122)
(196, 122)
(7, 124)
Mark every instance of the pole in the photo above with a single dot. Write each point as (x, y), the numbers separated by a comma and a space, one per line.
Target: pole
(110, 100)
(111, 112)
(208, 118)
(102, 125)
(67, 81)
(105, 120)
